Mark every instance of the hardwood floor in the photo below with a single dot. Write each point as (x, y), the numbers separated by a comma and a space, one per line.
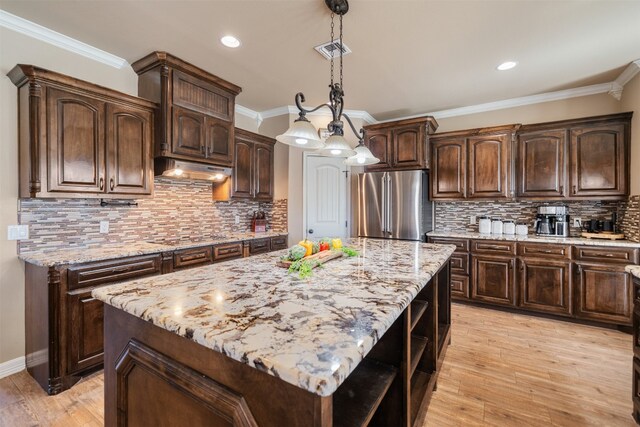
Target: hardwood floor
(502, 369)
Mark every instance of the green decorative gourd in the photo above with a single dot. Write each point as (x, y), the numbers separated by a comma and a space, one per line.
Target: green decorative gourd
(315, 248)
(297, 252)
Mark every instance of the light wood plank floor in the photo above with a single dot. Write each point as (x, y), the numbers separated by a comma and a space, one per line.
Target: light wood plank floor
(502, 369)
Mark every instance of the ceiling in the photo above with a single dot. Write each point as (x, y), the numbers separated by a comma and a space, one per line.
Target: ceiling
(409, 57)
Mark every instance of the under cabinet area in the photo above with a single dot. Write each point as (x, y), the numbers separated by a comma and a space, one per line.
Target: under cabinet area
(78, 139)
(582, 282)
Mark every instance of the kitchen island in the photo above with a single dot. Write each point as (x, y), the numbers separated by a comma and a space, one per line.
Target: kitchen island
(245, 343)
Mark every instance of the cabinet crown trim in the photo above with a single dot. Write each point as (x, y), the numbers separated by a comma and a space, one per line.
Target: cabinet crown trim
(21, 74)
(478, 131)
(429, 121)
(163, 58)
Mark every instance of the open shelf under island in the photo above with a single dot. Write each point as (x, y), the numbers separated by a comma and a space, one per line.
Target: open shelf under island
(244, 343)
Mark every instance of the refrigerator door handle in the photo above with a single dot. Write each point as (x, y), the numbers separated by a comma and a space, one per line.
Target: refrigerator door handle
(384, 203)
(389, 222)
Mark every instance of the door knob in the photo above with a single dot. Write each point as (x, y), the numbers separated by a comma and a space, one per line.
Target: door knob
(311, 231)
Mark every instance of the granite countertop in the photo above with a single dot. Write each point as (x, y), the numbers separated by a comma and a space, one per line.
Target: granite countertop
(535, 239)
(82, 254)
(310, 333)
(634, 270)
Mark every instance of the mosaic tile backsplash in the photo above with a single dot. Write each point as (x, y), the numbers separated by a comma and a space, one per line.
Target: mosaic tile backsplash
(454, 216)
(179, 209)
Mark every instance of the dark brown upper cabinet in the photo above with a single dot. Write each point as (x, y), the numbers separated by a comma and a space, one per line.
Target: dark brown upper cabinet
(196, 115)
(575, 159)
(77, 139)
(540, 164)
(400, 144)
(253, 174)
(489, 166)
(599, 163)
(474, 164)
(449, 168)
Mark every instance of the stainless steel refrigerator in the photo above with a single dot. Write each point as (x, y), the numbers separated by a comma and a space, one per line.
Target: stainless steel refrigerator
(394, 205)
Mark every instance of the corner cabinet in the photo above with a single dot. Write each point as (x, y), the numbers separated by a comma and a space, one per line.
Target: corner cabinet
(472, 164)
(253, 174)
(400, 144)
(77, 139)
(196, 116)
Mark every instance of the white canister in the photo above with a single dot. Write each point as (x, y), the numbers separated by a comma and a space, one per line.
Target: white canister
(522, 229)
(484, 226)
(509, 227)
(496, 226)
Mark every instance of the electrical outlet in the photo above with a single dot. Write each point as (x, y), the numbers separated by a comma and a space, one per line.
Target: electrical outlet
(104, 227)
(17, 232)
(237, 219)
(577, 222)
(472, 219)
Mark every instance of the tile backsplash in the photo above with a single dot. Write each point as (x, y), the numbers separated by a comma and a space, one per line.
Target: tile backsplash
(450, 216)
(179, 209)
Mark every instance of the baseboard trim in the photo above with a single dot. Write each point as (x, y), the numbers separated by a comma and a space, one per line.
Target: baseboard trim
(11, 367)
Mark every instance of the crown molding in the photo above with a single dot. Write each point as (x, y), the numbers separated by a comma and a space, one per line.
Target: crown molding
(617, 86)
(31, 29)
(248, 112)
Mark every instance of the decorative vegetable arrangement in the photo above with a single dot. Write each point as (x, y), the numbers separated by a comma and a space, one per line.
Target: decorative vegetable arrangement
(298, 255)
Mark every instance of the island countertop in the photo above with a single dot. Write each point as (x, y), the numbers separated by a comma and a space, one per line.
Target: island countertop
(310, 333)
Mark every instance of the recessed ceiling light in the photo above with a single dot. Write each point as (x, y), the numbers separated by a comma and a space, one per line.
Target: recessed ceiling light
(506, 65)
(230, 41)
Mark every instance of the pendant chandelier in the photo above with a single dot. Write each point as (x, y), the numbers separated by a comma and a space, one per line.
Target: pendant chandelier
(304, 135)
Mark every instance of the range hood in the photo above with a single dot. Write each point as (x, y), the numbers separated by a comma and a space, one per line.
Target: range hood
(190, 170)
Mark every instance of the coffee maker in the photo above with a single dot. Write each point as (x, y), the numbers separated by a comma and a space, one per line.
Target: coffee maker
(552, 220)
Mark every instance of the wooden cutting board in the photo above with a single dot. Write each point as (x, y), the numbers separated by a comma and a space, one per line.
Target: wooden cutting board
(321, 257)
(607, 236)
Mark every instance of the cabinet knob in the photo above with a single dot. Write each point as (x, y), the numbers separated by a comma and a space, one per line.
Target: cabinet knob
(111, 184)
(101, 183)
(574, 189)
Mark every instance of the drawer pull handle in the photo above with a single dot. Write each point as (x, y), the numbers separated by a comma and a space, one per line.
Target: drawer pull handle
(121, 269)
(194, 256)
(226, 251)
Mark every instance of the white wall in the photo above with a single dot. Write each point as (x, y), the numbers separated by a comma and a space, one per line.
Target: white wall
(17, 48)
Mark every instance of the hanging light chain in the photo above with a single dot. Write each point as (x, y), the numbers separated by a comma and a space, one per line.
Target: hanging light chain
(332, 50)
(341, 51)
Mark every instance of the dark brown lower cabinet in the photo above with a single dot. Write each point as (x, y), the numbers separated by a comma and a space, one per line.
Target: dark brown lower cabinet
(545, 285)
(85, 331)
(492, 279)
(604, 293)
(460, 286)
(64, 323)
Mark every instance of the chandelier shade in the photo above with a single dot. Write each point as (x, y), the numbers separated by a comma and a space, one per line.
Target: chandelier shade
(337, 146)
(301, 134)
(363, 156)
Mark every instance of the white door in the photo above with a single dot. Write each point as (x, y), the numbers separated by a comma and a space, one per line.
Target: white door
(325, 192)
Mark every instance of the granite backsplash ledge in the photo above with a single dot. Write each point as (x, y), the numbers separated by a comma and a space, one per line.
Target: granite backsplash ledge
(455, 216)
(178, 209)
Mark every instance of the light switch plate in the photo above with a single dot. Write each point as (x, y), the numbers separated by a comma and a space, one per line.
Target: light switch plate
(472, 219)
(17, 232)
(237, 219)
(577, 222)
(104, 227)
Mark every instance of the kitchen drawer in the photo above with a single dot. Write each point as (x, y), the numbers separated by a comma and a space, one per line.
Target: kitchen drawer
(258, 246)
(279, 242)
(227, 251)
(104, 272)
(460, 286)
(606, 254)
(192, 257)
(544, 250)
(493, 247)
(462, 245)
(460, 264)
